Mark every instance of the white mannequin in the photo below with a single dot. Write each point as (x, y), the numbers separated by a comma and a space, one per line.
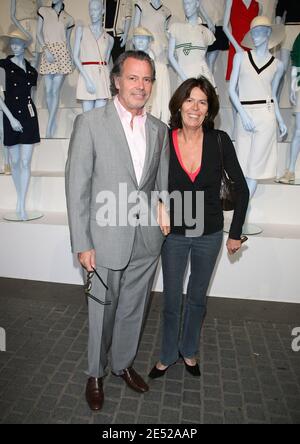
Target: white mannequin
(19, 24)
(213, 55)
(53, 82)
(261, 36)
(20, 155)
(96, 15)
(191, 9)
(160, 43)
(289, 176)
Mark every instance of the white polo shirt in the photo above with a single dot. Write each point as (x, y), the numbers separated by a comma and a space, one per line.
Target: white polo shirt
(55, 25)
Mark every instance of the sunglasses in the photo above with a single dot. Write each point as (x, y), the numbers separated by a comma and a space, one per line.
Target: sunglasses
(88, 287)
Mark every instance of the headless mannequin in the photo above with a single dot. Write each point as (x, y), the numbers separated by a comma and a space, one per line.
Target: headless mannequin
(53, 82)
(96, 15)
(260, 36)
(191, 9)
(19, 155)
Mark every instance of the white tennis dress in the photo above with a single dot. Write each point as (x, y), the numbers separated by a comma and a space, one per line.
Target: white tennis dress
(191, 47)
(257, 151)
(93, 54)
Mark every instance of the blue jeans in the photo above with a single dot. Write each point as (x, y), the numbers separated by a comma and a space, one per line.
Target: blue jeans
(204, 252)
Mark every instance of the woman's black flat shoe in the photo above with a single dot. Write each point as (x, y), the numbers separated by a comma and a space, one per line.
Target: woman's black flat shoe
(156, 373)
(194, 370)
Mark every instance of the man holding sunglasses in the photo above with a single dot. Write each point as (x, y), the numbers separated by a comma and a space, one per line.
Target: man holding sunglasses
(117, 144)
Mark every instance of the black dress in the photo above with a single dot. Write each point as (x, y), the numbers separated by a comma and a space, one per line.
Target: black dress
(18, 100)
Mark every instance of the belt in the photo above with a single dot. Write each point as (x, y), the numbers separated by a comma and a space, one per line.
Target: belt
(94, 63)
(257, 102)
(292, 23)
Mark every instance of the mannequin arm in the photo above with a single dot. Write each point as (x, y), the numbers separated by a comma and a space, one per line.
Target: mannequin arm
(137, 17)
(68, 37)
(16, 22)
(76, 54)
(226, 26)
(40, 38)
(233, 85)
(126, 32)
(207, 19)
(294, 84)
(275, 86)
(109, 49)
(173, 61)
(15, 124)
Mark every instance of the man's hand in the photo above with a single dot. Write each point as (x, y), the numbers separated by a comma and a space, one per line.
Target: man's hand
(88, 259)
(233, 246)
(163, 219)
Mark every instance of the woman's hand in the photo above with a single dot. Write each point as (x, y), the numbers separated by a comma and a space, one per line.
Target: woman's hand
(233, 246)
(163, 219)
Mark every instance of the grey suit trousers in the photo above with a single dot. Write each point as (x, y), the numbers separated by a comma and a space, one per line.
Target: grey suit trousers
(118, 326)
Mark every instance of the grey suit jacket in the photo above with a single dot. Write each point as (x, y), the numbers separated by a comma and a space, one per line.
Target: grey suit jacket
(99, 160)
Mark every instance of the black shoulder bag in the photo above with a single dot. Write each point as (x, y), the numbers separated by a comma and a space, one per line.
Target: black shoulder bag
(227, 190)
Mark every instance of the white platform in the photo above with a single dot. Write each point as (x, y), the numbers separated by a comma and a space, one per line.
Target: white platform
(266, 269)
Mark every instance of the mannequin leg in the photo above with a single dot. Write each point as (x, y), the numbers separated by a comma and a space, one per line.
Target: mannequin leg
(295, 147)
(252, 185)
(53, 88)
(14, 157)
(25, 168)
(7, 168)
(211, 60)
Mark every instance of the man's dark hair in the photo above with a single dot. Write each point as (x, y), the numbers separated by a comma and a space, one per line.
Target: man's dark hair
(184, 92)
(119, 63)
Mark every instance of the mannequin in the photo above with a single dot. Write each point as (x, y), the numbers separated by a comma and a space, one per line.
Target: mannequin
(255, 77)
(238, 13)
(19, 135)
(23, 14)
(215, 10)
(155, 17)
(6, 165)
(117, 21)
(92, 52)
(53, 33)
(289, 176)
(190, 42)
(288, 12)
(161, 92)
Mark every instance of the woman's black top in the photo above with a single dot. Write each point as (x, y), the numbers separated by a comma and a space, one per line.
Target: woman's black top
(209, 181)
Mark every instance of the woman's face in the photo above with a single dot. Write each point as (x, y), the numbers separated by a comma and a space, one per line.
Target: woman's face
(194, 109)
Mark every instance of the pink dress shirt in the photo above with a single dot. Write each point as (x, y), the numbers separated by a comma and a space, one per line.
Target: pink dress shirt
(136, 136)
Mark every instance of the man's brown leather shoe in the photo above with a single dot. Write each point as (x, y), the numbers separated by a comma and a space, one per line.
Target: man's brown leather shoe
(134, 381)
(94, 393)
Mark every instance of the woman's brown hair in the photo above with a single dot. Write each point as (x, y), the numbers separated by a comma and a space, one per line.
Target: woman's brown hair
(183, 92)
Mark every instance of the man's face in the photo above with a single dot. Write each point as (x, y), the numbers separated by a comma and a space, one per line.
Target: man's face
(134, 84)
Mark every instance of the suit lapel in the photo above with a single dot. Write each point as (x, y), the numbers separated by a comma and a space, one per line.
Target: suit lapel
(116, 129)
(151, 135)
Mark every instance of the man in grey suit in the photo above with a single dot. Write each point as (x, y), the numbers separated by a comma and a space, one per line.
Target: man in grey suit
(115, 152)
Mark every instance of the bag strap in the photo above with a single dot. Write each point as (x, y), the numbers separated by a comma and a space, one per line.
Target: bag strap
(221, 151)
